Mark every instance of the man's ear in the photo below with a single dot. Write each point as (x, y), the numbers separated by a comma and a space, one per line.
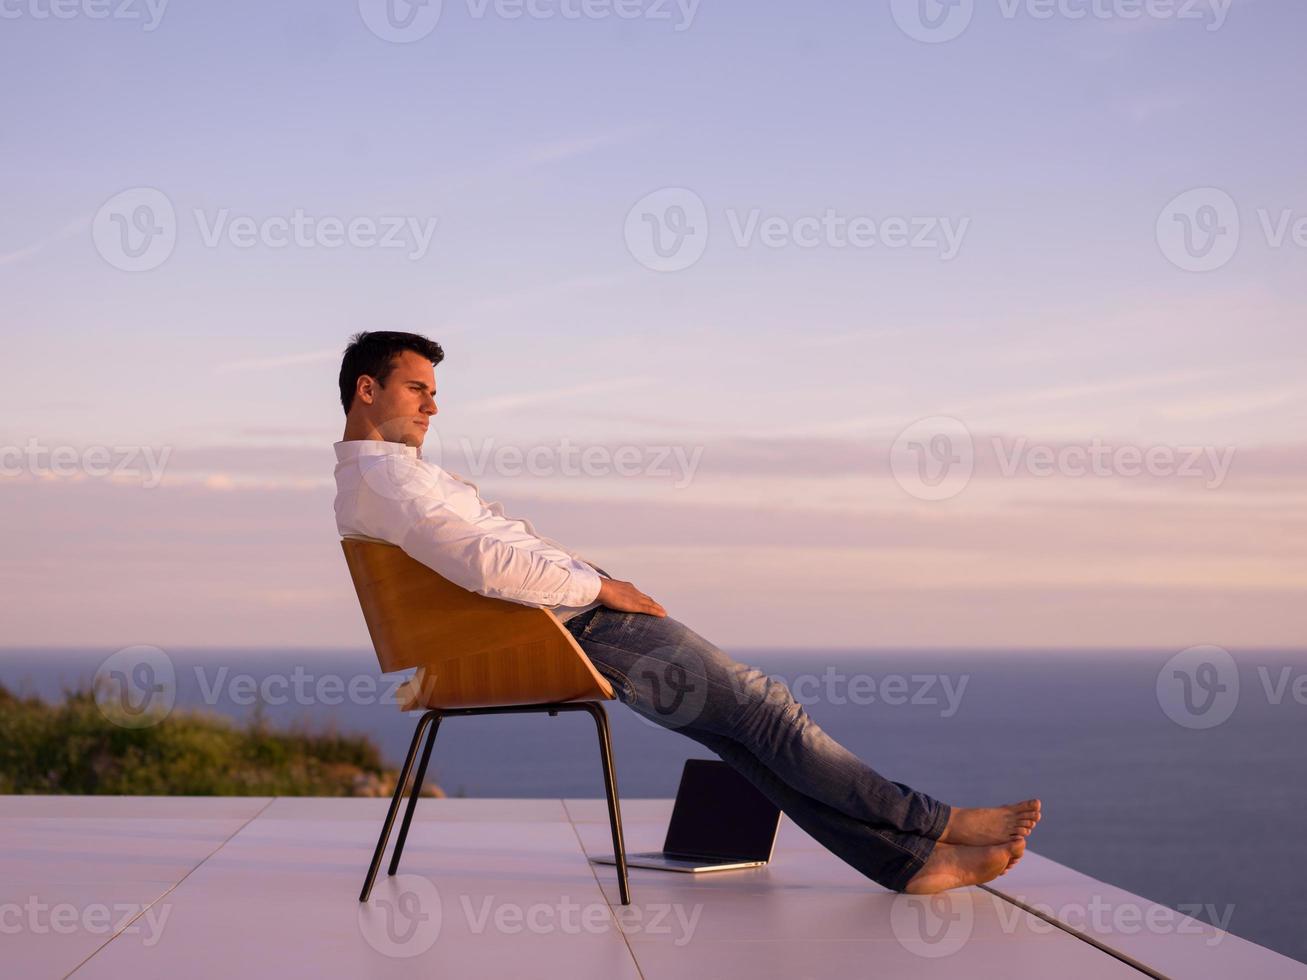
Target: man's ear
(364, 389)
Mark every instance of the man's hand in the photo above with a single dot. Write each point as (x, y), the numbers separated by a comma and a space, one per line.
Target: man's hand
(625, 597)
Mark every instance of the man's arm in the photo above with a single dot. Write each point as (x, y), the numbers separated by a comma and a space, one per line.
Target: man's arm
(497, 509)
(481, 563)
(427, 529)
(469, 557)
(613, 593)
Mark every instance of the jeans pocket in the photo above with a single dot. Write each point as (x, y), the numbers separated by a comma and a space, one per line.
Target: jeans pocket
(621, 685)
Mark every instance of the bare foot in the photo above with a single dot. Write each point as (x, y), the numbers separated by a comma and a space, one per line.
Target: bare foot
(958, 865)
(991, 825)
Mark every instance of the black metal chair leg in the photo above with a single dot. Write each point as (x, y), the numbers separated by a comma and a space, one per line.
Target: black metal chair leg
(413, 797)
(394, 805)
(433, 717)
(610, 788)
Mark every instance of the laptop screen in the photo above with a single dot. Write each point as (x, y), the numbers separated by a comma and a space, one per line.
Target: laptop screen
(719, 813)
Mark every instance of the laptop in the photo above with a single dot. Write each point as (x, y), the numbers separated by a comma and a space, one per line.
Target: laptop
(720, 822)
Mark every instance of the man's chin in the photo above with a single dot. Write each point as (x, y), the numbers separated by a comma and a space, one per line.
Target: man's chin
(407, 438)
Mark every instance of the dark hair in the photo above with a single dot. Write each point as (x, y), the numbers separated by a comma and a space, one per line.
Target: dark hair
(373, 353)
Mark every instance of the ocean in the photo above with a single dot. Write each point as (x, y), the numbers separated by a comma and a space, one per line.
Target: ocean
(1182, 780)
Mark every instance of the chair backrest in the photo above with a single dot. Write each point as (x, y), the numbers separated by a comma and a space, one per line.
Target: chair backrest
(471, 651)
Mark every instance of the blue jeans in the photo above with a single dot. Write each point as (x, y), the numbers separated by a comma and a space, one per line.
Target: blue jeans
(669, 674)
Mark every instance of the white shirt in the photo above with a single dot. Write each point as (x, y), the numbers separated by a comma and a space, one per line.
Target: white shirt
(386, 490)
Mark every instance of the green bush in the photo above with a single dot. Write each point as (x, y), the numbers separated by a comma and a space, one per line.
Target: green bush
(72, 747)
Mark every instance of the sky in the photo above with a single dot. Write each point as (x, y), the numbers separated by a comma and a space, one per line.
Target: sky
(896, 324)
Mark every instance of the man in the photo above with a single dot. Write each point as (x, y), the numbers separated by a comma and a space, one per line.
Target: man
(898, 837)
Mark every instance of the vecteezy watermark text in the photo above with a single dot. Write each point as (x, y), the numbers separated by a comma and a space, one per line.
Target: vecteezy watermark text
(668, 230)
(144, 463)
(406, 21)
(136, 230)
(40, 918)
(149, 12)
(671, 919)
(302, 230)
(935, 458)
(937, 21)
(137, 687)
(936, 926)
(569, 459)
(835, 687)
(404, 918)
(300, 687)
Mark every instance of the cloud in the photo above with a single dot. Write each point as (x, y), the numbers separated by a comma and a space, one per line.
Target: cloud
(847, 337)
(257, 567)
(532, 157)
(526, 399)
(565, 149)
(734, 466)
(533, 297)
(1146, 107)
(285, 360)
(1239, 403)
(73, 227)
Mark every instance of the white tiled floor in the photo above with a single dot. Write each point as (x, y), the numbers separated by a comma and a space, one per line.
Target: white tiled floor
(503, 888)
(1168, 942)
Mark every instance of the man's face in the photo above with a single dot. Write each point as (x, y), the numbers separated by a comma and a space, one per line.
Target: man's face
(402, 410)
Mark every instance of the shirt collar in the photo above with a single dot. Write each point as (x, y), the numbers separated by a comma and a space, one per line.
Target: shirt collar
(351, 448)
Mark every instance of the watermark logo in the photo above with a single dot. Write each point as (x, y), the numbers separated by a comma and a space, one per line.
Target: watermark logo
(669, 686)
(1198, 231)
(136, 229)
(400, 21)
(933, 458)
(402, 919)
(667, 231)
(1202, 229)
(932, 926)
(933, 21)
(136, 687)
(1199, 686)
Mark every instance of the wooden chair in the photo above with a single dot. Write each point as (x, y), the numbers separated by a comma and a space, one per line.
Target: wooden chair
(474, 656)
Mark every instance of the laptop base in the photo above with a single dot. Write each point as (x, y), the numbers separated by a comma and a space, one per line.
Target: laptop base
(659, 861)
